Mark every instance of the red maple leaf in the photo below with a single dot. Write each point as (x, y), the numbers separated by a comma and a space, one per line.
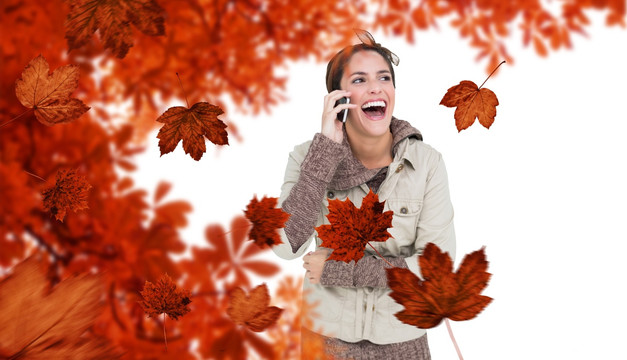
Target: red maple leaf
(472, 102)
(252, 310)
(351, 228)
(443, 294)
(266, 220)
(70, 191)
(49, 94)
(192, 126)
(164, 298)
(113, 20)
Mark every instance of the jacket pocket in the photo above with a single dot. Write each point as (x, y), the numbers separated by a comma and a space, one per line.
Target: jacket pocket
(405, 220)
(325, 303)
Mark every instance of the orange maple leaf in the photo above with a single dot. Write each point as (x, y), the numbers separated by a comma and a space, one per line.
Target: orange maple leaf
(252, 310)
(472, 102)
(112, 19)
(70, 191)
(37, 322)
(191, 125)
(266, 220)
(443, 294)
(165, 298)
(351, 228)
(49, 94)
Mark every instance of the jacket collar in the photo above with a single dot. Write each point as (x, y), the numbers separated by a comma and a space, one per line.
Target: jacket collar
(351, 172)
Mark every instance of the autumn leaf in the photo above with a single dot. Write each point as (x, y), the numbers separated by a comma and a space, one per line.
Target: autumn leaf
(252, 310)
(49, 94)
(351, 228)
(70, 191)
(191, 125)
(471, 103)
(112, 19)
(37, 322)
(266, 220)
(443, 294)
(234, 258)
(165, 298)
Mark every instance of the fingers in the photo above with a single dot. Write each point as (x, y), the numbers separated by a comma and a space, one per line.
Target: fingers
(313, 262)
(331, 127)
(332, 98)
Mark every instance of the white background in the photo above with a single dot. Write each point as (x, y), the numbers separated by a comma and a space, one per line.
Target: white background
(544, 189)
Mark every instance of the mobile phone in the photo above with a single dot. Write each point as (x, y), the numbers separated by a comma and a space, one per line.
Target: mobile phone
(341, 116)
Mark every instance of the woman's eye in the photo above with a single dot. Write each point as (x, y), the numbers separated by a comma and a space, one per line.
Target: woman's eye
(385, 78)
(358, 80)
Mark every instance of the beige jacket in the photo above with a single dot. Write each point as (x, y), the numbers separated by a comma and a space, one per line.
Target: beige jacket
(416, 190)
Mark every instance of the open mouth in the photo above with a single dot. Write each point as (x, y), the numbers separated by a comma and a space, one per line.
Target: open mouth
(374, 110)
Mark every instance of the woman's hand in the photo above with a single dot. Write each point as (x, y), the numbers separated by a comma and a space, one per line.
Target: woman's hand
(314, 262)
(331, 127)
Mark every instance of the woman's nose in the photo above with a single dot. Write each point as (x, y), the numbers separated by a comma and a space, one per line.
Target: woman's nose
(374, 88)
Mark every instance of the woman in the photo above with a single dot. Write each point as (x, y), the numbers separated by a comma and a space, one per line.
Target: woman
(372, 150)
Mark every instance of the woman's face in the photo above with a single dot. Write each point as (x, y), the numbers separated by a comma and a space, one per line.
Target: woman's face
(368, 78)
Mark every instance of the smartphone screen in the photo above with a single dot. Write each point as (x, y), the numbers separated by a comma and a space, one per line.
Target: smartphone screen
(341, 116)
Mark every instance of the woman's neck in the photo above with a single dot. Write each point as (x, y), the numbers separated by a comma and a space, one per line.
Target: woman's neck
(373, 152)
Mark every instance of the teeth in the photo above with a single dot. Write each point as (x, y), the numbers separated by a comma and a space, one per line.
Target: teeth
(373, 103)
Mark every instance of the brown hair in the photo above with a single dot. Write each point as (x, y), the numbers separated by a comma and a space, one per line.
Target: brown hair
(335, 67)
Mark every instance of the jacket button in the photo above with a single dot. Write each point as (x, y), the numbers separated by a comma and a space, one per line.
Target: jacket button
(403, 210)
(400, 167)
(330, 195)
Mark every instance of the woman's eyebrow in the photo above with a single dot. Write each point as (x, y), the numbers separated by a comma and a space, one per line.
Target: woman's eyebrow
(364, 73)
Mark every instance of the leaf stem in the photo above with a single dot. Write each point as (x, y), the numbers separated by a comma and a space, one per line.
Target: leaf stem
(450, 333)
(184, 93)
(164, 336)
(492, 73)
(15, 118)
(378, 253)
(35, 176)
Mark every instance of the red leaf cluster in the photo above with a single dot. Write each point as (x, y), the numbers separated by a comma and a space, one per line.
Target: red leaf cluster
(443, 293)
(113, 20)
(265, 220)
(351, 228)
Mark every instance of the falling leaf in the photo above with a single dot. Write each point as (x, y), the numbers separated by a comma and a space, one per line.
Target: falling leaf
(112, 19)
(165, 298)
(37, 322)
(443, 294)
(234, 258)
(49, 94)
(252, 310)
(471, 103)
(70, 191)
(266, 220)
(351, 228)
(191, 126)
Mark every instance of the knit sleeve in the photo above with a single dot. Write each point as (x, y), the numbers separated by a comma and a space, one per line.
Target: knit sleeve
(305, 196)
(368, 271)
